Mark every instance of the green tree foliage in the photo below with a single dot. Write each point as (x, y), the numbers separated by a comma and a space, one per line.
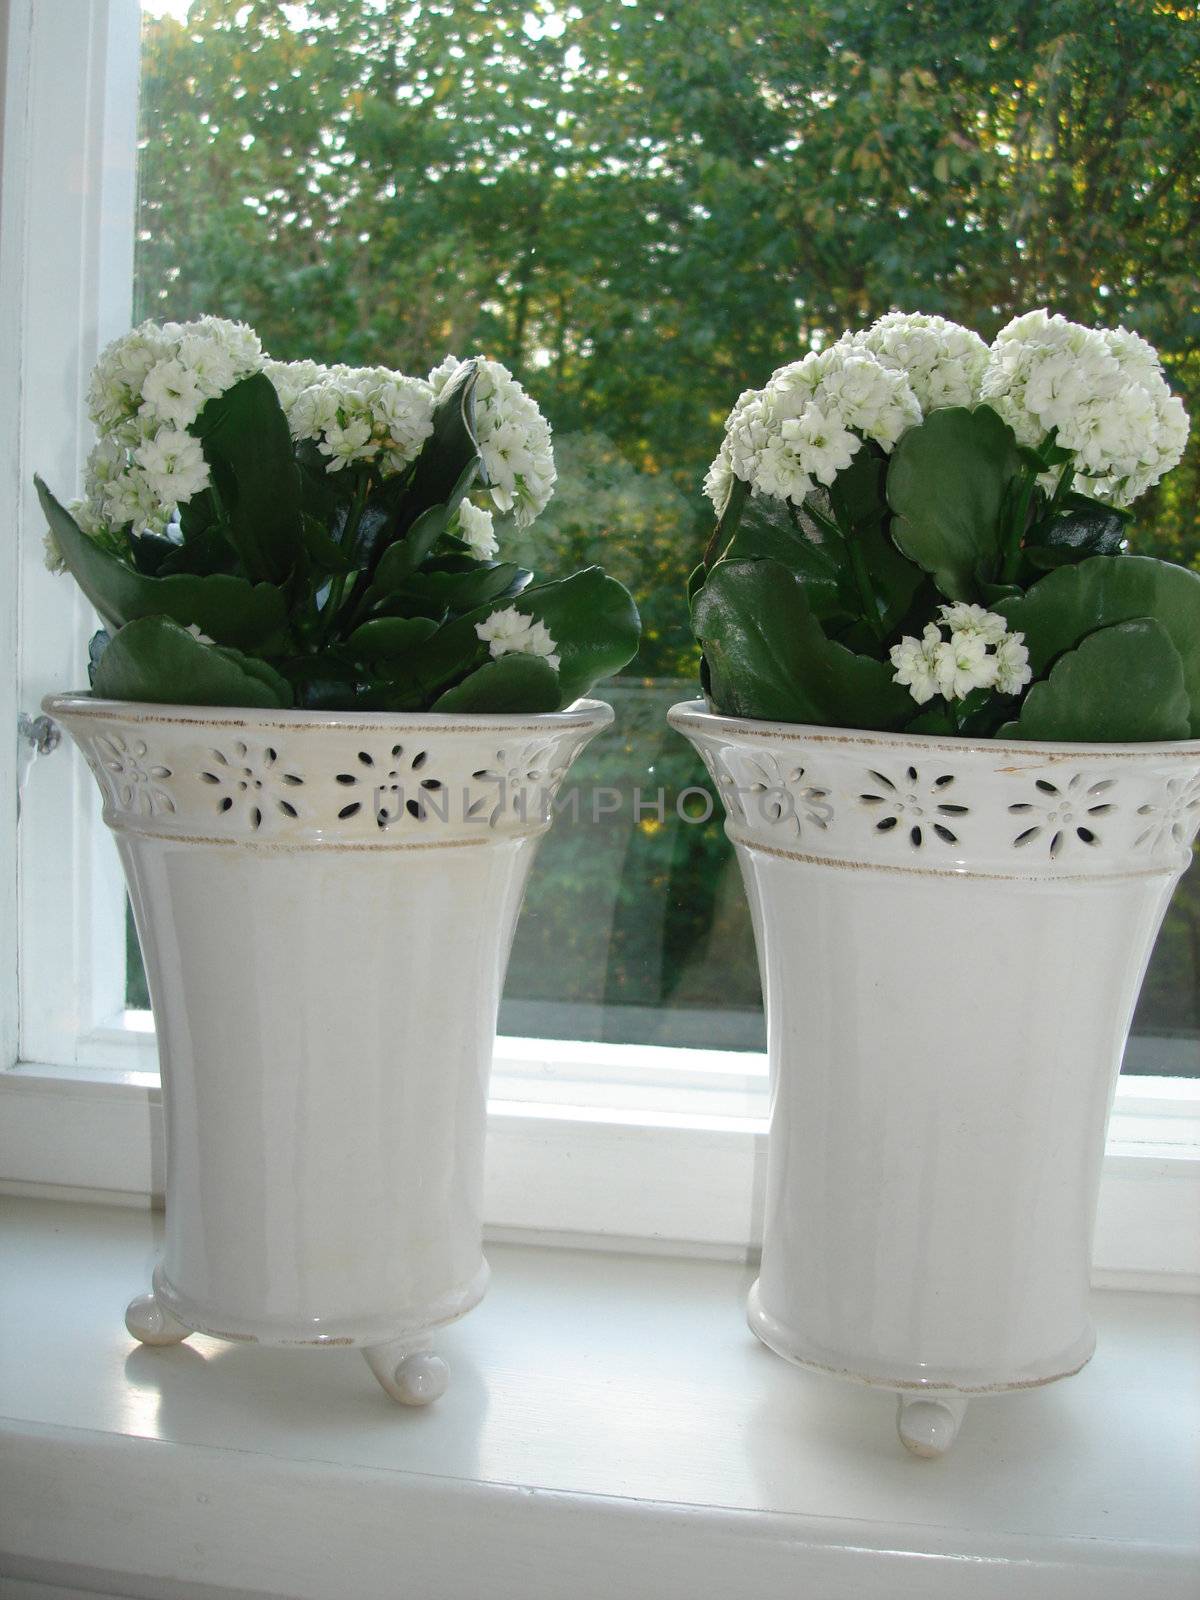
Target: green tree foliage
(644, 208)
(652, 206)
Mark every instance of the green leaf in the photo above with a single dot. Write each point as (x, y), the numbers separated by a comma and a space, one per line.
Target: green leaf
(991, 594)
(407, 553)
(389, 638)
(246, 442)
(858, 501)
(1053, 454)
(463, 591)
(323, 494)
(197, 515)
(449, 462)
(1044, 558)
(948, 484)
(325, 683)
(273, 681)
(591, 618)
(155, 659)
(1061, 609)
(897, 581)
(326, 555)
(858, 495)
(511, 684)
(399, 687)
(593, 622)
(149, 551)
(1123, 683)
(934, 719)
(769, 529)
(374, 532)
(203, 554)
(1091, 525)
(228, 609)
(401, 559)
(769, 658)
(727, 522)
(1098, 531)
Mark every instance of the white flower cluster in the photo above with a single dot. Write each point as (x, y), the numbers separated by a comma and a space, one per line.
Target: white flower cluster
(942, 360)
(475, 527)
(511, 632)
(1103, 390)
(368, 414)
(514, 439)
(979, 654)
(160, 376)
(147, 388)
(809, 422)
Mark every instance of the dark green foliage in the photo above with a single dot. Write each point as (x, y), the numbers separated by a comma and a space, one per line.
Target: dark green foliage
(963, 504)
(592, 620)
(770, 659)
(389, 638)
(513, 683)
(245, 439)
(155, 659)
(229, 609)
(1058, 612)
(949, 484)
(373, 602)
(771, 529)
(1122, 683)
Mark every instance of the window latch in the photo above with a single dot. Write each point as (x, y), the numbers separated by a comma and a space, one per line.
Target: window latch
(36, 736)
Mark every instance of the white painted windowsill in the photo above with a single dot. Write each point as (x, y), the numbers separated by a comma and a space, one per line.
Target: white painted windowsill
(611, 1429)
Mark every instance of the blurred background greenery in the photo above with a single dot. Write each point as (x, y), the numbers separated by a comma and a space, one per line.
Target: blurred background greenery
(643, 209)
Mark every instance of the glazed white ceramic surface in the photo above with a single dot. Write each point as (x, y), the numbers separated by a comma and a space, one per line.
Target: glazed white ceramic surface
(325, 903)
(952, 937)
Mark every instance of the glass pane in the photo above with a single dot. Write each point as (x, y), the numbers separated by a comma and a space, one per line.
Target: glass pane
(642, 211)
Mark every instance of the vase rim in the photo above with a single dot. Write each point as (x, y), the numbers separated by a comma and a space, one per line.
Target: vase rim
(582, 713)
(699, 716)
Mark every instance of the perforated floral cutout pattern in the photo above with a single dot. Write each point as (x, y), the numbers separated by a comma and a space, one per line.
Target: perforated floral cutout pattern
(135, 779)
(1064, 814)
(781, 796)
(390, 784)
(303, 781)
(936, 807)
(250, 784)
(918, 805)
(520, 782)
(1171, 819)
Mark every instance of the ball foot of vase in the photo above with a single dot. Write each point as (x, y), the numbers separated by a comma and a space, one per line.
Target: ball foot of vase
(407, 1368)
(928, 1424)
(325, 904)
(952, 937)
(151, 1323)
(411, 1374)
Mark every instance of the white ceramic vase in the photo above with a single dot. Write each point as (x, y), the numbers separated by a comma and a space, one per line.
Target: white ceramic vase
(952, 937)
(326, 903)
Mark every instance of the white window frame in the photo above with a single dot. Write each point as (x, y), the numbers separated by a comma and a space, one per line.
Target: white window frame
(618, 1145)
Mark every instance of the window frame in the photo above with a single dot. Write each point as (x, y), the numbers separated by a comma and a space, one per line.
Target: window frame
(69, 185)
(626, 1146)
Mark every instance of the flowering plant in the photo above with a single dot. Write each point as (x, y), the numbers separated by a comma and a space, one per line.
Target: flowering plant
(264, 533)
(916, 531)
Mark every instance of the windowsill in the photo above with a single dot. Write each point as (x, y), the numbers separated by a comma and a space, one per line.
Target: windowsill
(611, 1428)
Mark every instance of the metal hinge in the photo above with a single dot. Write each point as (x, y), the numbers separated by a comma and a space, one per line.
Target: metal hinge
(36, 736)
